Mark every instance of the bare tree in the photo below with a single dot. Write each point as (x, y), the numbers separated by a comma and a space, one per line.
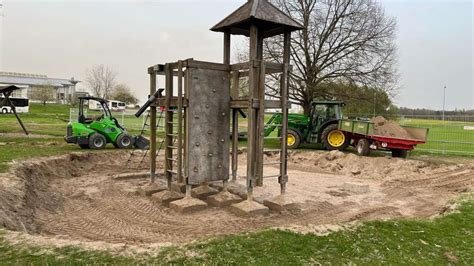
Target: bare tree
(44, 94)
(101, 81)
(351, 41)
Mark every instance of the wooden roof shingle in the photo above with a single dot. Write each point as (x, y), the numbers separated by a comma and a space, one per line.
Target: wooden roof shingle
(268, 18)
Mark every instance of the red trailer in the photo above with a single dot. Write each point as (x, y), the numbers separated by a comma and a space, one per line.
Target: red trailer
(364, 139)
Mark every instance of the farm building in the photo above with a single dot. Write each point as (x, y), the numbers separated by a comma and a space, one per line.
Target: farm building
(64, 90)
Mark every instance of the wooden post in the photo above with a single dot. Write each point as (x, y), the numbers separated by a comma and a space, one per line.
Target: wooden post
(180, 124)
(153, 128)
(227, 42)
(235, 126)
(227, 48)
(261, 125)
(252, 145)
(283, 179)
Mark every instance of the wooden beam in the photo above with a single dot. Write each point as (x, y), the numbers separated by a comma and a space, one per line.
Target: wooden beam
(283, 179)
(180, 124)
(244, 104)
(271, 67)
(173, 102)
(153, 129)
(207, 65)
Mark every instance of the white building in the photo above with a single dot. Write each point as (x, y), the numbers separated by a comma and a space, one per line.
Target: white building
(65, 89)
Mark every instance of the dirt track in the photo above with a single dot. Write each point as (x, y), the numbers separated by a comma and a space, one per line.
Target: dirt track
(74, 197)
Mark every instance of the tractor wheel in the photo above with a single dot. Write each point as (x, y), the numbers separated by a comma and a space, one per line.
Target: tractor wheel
(399, 153)
(84, 146)
(334, 139)
(123, 141)
(363, 147)
(97, 141)
(293, 139)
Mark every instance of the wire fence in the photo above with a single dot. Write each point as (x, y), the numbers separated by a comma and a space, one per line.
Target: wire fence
(447, 134)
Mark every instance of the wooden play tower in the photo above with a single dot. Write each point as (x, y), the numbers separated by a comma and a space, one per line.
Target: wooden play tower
(202, 105)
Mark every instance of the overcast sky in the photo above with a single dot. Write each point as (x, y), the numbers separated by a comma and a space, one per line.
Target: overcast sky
(63, 38)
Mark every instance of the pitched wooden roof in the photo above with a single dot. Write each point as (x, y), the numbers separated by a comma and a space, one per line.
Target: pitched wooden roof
(8, 89)
(261, 13)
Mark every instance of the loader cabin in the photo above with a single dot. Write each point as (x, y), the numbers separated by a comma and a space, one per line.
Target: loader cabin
(97, 104)
(325, 112)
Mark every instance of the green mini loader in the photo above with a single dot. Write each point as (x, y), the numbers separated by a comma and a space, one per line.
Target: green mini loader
(96, 132)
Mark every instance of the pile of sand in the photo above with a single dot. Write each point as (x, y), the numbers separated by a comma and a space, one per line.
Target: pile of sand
(383, 127)
(381, 168)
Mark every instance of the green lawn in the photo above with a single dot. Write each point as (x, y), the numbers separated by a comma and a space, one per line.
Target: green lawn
(52, 120)
(446, 240)
(445, 136)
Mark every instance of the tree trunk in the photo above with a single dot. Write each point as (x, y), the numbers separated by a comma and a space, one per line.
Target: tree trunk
(307, 108)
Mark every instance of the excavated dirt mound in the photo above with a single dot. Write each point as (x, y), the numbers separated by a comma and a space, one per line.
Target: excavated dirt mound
(383, 127)
(381, 168)
(75, 197)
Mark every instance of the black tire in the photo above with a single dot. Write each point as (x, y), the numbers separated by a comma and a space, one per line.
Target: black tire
(124, 141)
(84, 146)
(363, 147)
(399, 154)
(97, 141)
(293, 139)
(4, 111)
(325, 138)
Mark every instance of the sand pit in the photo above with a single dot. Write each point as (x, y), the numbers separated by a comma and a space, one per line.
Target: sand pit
(74, 198)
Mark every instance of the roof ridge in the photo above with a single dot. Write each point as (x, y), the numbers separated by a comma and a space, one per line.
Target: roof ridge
(19, 74)
(253, 11)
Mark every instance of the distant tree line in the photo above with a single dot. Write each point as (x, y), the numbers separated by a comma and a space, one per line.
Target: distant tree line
(430, 112)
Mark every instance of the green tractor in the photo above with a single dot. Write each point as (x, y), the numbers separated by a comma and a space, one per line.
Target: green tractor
(321, 126)
(96, 132)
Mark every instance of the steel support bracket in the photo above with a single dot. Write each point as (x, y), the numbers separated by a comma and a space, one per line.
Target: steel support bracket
(255, 103)
(283, 179)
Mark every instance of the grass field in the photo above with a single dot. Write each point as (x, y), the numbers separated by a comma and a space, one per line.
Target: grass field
(446, 240)
(445, 136)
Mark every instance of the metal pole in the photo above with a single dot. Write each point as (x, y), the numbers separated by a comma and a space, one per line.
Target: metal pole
(444, 109)
(375, 101)
(444, 101)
